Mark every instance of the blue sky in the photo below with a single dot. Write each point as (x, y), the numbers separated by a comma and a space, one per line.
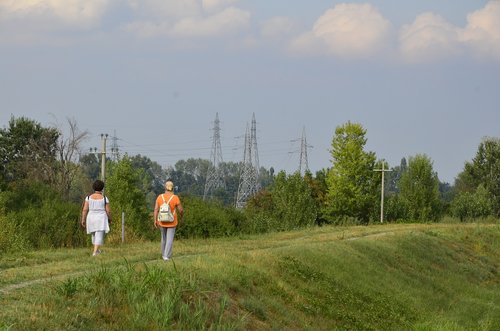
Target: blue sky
(422, 77)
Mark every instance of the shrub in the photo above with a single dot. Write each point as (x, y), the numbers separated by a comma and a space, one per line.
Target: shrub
(474, 205)
(34, 216)
(287, 205)
(208, 219)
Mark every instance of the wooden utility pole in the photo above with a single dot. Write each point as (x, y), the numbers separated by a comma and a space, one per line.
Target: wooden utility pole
(103, 156)
(383, 170)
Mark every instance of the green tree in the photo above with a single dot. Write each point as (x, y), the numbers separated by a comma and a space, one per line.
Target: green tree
(394, 176)
(483, 170)
(23, 144)
(189, 176)
(287, 204)
(124, 188)
(89, 164)
(467, 205)
(351, 180)
(419, 190)
(319, 190)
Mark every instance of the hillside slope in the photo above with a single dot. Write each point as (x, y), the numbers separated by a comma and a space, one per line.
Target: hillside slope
(390, 277)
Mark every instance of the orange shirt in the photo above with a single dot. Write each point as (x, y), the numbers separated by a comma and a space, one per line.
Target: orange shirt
(173, 204)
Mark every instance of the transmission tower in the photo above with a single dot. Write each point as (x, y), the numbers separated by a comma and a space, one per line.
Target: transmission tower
(304, 164)
(215, 178)
(249, 178)
(249, 174)
(254, 152)
(114, 147)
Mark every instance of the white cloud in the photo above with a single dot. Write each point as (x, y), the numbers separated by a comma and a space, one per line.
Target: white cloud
(212, 5)
(187, 18)
(176, 9)
(228, 21)
(429, 37)
(347, 30)
(80, 13)
(482, 33)
(276, 27)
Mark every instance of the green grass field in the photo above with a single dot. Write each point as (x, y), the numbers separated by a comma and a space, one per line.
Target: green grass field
(379, 277)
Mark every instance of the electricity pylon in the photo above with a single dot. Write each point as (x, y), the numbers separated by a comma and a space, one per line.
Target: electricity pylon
(249, 174)
(215, 177)
(304, 163)
(114, 147)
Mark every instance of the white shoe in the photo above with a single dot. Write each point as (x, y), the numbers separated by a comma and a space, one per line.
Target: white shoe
(165, 259)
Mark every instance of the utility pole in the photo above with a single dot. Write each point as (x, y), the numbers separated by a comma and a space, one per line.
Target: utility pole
(104, 137)
(383, 171)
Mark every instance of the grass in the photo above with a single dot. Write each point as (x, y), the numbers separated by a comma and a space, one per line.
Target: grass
(380, 277)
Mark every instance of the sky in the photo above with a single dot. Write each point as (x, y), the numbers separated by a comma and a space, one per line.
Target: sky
(422, 77)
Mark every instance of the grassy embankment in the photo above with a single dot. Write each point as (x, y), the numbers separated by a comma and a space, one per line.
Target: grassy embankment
(391, 277)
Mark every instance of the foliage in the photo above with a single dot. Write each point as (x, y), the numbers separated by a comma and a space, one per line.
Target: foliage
(319, 189)
(189, 176)
(484, 170)
(25, 143)
(89, 164)
(124, 187)
(469, 206)
(394, 176)
(352, 183)
(395, 210)
(287, 205)
(153, 177)
(33, 216)
(208, 219)
(419, 190)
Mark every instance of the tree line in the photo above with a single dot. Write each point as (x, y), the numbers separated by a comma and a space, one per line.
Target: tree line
(44, 177)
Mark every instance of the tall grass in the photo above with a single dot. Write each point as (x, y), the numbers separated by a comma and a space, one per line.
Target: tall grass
(394, 277)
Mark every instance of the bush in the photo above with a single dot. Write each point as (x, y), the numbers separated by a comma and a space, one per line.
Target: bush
(208, 219)
(468, 205)
(34, 216)
(286, 206)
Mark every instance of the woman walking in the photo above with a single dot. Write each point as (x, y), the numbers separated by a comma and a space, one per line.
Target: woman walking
(167, 207)
(96, 216)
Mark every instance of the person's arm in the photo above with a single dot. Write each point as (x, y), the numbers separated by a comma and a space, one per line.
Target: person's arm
(85, 211)
(155, 215)
(108, 212)
(180, 211)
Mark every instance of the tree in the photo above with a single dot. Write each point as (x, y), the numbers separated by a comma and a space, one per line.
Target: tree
(68, 148)
(124, 189)
(189, 175)
(89, 164)
(152, 176)
(287, 205)
(419, 190)
(394, 176)
(24, 144)
(351, 180)
(483, 170)
(467, 205)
